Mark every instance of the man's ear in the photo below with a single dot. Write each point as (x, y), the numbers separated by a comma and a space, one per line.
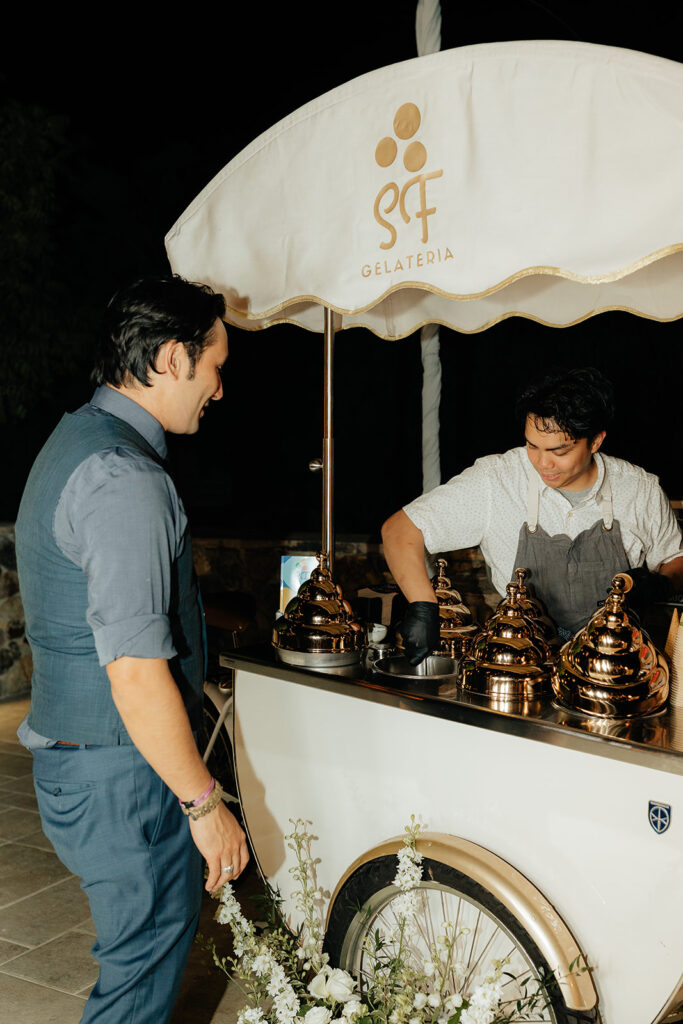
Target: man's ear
(169, 358)
(597, 441)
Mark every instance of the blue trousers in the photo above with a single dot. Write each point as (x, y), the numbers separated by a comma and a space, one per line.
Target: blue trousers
(116, 825)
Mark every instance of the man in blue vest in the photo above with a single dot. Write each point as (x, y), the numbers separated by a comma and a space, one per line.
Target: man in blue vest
(115, 627)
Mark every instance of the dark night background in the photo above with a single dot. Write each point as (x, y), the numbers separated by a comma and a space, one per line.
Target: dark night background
(109, 130)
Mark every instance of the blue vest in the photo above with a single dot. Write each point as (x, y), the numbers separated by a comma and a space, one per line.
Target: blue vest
(71, 697)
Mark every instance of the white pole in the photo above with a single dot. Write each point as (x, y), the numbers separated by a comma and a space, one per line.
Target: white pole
(328, 438)
(428, 37)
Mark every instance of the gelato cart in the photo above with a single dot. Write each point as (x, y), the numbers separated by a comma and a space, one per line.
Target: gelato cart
(553, 834)
(535, 179)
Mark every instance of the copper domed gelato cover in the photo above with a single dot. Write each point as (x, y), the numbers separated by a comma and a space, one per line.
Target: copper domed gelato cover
(509, 661)
(456, 629)
(611, 668)
(455, 619)
(318, 628)
(532, 607)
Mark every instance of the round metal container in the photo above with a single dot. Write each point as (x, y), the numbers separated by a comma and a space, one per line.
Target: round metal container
(435, 667)
(318, 659)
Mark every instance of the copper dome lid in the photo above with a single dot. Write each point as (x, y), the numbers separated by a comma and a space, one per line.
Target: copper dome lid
(318, 628)
(532, 607)
(611, 668)
(509, 660)
(455, 619)
(456, 629)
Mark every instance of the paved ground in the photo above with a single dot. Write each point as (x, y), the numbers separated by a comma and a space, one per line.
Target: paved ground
(46, 970)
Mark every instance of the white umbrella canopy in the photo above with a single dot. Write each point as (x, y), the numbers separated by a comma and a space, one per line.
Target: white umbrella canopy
(537, 179)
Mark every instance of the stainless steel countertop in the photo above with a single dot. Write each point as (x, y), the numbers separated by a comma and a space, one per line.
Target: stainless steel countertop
(655, 741)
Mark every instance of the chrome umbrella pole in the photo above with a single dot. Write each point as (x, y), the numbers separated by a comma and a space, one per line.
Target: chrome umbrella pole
(318, 628)
(328, 438)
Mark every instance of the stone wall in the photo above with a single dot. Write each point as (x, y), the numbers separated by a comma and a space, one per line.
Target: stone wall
(242, 567)
(15, 656)
(252, 568)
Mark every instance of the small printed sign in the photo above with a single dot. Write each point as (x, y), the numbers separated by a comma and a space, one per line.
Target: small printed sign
(294, 570)
(659, 816)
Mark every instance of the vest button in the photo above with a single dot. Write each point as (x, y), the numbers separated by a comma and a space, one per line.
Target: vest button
(57, 790)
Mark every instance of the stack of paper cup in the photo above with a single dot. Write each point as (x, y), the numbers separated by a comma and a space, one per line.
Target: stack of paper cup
(671, 636)
(676, 656)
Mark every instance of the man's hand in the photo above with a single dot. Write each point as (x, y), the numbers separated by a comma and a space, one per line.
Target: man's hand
(420, 630)
(222, 844)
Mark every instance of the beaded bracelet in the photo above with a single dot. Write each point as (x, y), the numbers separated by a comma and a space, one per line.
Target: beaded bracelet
(211, 801)
(200, 799)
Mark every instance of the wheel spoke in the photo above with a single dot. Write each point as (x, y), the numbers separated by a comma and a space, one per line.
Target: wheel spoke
(481, 939)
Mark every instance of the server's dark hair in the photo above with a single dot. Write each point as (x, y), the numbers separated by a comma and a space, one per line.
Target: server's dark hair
(579, 402)
(144, 315)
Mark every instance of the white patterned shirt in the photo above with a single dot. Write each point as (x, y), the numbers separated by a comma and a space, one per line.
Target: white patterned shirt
(486, 505)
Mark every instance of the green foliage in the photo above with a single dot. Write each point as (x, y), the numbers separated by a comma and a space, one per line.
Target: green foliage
(286, 977)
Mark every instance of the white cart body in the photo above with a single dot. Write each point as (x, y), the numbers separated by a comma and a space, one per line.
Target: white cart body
(567, 808)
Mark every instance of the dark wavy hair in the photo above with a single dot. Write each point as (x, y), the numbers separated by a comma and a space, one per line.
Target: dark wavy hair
(578, 402)
(144, 315)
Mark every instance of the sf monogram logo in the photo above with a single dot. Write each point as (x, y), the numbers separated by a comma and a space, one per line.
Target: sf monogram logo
(414, 157)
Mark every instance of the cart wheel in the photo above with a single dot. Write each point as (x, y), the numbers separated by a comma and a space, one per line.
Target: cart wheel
(364, 905)
(220, 762)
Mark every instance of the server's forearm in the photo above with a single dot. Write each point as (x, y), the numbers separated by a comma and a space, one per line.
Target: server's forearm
(405, 555)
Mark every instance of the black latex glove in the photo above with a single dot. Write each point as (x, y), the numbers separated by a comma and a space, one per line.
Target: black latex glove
(648, 587)
(420, 630)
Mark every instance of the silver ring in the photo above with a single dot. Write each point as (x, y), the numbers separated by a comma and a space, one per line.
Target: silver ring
(228, 869)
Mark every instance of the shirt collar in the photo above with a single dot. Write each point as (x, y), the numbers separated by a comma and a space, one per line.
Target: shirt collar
(139, 419)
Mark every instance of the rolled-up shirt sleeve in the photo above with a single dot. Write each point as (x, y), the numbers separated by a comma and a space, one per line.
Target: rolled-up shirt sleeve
(120, 520)
(456, 514)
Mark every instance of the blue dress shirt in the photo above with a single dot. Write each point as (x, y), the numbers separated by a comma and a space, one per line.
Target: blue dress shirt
(120, 520)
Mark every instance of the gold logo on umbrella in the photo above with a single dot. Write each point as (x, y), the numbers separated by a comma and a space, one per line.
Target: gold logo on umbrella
(406, 124)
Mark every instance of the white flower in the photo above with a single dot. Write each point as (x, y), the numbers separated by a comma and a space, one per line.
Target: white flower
(477, 1015)
(420, 1000)
(434, 999)
(484, 996)
(251, 1016)
(318, 1015)
(453, 1002)
(428, 968)
(261, 964)
(340, 985)
(318, 986)
(352, 1008)
(405, 905)
(414, 1020)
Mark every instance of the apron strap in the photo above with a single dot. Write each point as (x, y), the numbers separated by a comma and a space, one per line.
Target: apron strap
(533, 499)
(604, 499)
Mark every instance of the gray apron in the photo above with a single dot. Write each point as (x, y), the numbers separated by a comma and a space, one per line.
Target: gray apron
(571, 576)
